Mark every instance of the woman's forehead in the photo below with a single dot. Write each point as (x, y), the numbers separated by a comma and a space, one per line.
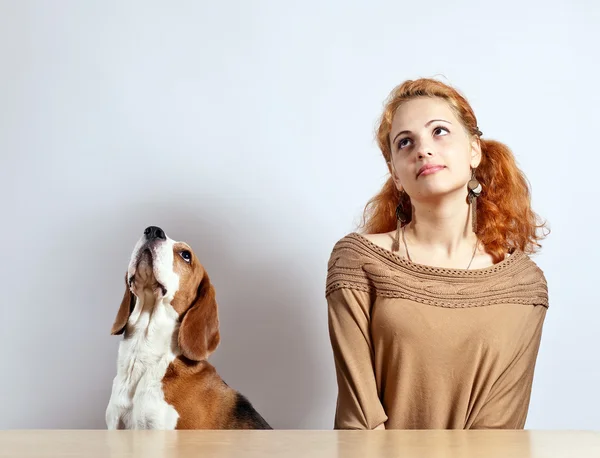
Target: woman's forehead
(416, 113)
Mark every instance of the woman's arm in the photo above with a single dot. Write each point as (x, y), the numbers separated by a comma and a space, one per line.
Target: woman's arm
(508, 402)
(358, 403)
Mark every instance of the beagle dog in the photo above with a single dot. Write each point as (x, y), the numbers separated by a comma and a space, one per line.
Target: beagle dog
(170, 324)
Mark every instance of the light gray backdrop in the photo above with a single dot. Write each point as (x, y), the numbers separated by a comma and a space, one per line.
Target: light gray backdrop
(246, 129)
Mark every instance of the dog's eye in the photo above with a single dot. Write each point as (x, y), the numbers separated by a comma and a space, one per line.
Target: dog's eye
(186, 255)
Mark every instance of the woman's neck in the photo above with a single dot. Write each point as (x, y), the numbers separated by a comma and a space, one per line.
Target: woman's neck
(443, 229)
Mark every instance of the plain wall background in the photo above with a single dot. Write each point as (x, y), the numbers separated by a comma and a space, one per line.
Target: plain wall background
(246, 129)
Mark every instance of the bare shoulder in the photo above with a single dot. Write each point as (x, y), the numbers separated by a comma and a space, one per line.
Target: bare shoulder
(382, 240)
(482, 259)
(385, 241)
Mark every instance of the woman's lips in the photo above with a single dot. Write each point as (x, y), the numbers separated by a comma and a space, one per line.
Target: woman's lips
(430, 169)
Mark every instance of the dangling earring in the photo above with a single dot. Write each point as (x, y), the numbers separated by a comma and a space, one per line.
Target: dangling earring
(475, 189)
(401, 219)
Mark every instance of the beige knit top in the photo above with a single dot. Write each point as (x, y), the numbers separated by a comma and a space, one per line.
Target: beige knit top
(419, 347)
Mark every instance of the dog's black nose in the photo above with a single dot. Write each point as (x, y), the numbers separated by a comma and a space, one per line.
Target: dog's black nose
(153, 232)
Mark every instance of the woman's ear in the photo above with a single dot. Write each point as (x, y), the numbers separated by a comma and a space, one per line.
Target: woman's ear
(475, 153)
(199, 331)
(394, 175)
(125, 309)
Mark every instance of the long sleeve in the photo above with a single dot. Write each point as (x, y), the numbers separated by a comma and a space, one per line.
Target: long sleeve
(508, 401)
(358, 402)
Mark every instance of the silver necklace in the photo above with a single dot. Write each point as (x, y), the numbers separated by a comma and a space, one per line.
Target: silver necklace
(408, 254)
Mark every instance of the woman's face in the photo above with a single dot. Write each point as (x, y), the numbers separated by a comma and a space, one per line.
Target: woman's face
(432, 154)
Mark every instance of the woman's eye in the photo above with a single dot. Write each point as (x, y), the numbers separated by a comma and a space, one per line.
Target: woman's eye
(439, 130)
(403, 143)
(186, 255)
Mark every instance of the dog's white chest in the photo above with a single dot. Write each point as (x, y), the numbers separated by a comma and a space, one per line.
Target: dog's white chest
(137, 399)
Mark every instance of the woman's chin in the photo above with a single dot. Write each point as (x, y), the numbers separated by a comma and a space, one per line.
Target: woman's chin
(436, 191)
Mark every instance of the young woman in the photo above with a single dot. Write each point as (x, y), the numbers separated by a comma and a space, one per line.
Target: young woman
(436, 309)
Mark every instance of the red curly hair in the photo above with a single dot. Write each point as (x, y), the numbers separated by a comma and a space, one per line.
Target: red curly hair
(505, 220)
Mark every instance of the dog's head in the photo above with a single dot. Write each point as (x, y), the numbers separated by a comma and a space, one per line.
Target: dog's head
(170, 273)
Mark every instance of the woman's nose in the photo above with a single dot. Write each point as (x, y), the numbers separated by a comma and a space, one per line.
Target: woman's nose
(424, 150)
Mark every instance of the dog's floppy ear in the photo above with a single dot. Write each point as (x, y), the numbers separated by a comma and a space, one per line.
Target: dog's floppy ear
(125, 309)
(199, 331)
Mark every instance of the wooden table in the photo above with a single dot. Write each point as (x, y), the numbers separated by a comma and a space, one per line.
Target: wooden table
(301, 443)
